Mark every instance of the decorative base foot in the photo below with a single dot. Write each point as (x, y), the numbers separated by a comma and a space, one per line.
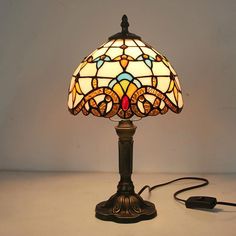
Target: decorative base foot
(125, 208)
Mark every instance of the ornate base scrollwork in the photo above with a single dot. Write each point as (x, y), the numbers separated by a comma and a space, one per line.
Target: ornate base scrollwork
(125, 208)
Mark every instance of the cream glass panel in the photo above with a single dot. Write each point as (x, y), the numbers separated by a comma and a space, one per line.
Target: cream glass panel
(78, 98)
(89, 70)
(149, 52)
(86, 106)
(103, 82)
(171, 97)
(163, 83)
(180, 101)
(156, 51)
(78, 68)
(109, 106)
(110, 69)
(140, 43)
(150, 98)
(114, 52)
(85, 84)
(145, 80)
(160, 69)
(171, 68)
(130, 42)
(99, 98)
(108, 44)
(91, 54)
(118, 43)
(162, 104)
(133, 52)
(140, 106)
(138, 69)
(99, 52)
(177, 81)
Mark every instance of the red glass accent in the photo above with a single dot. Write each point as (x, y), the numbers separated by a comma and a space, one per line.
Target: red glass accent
(125, 103)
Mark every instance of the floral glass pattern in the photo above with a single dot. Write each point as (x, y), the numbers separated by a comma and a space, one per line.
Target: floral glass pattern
(125, 77)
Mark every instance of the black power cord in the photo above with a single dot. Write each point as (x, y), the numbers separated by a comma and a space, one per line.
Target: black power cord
(194, 202)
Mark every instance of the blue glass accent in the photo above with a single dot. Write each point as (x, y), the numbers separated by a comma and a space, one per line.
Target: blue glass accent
(137, 83)
(112, 83)
(97, 59)
(148, 63)
(99, 64)
(107, 58)
(140, 58)
(123, 76)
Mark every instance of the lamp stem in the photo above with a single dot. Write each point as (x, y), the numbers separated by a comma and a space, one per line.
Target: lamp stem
(125, 130)
(125, 206)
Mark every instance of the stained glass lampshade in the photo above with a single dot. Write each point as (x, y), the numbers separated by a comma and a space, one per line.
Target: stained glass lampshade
(125, 77)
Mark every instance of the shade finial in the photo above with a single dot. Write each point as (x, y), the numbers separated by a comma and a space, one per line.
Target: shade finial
(124, 24)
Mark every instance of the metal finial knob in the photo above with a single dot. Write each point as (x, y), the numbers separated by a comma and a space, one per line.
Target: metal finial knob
(124, 34)
(124, 24)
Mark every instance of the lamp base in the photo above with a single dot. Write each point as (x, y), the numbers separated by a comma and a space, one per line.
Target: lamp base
(125, 208)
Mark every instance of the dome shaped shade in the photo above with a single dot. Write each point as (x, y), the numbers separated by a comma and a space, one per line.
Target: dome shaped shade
(125, 77)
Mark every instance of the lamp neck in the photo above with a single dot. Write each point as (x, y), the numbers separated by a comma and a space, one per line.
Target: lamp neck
(125, 130)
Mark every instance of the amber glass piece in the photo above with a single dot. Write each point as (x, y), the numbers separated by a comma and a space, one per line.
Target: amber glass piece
(158, 58)
(128, 113)
(95, 83)
(72, 84)
(136, 95)
(114, 110)
(118, 89)
(102, 107)
(78, 88)
(124, 63)
(92, 103)
(112, 94)
(117, 58)
(154, 112)
(85, 112)
(73, 94)
(136, 111)
(154, 81)
(147, 107)
(141, 98)
(95, 112)
(90, 59)
(156, 103)
(131, 89)
(124, 84)
(175, 93)
(108, 98)
(123, 46)
(164, 110)
(171, 86)
(121, 113)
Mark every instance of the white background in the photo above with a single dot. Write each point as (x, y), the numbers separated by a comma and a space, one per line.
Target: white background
(42, 42)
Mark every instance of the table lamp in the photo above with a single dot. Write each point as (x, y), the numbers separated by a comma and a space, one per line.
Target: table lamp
(128, 79)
